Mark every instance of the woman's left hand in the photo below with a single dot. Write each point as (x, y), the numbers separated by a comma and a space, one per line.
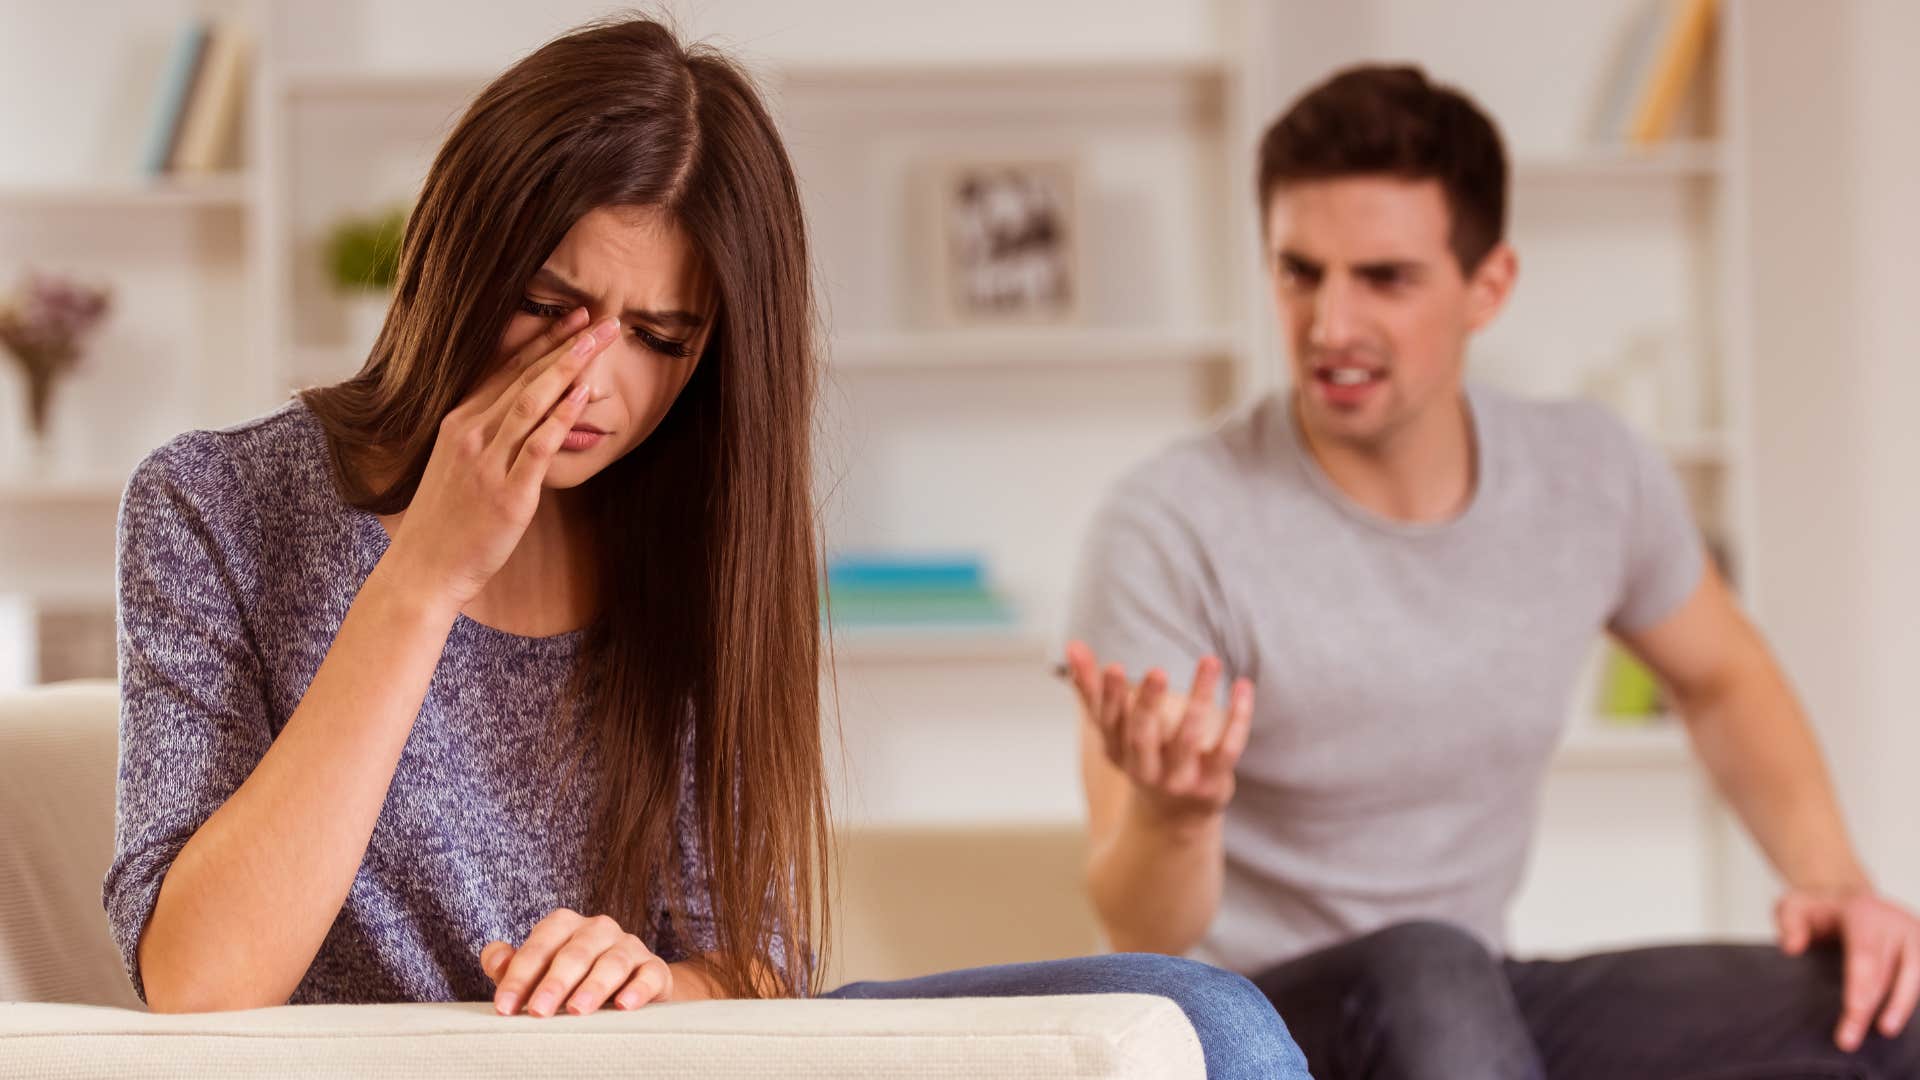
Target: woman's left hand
(579, 960)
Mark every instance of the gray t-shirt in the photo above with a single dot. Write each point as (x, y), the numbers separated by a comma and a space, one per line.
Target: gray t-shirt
(1411, 680)
(237, 564)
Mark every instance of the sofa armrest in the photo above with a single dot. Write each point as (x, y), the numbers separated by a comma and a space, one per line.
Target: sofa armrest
(1102, 1035)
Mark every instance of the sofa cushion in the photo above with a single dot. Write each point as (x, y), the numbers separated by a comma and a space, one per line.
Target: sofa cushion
(58, 752)
(1104, 1035)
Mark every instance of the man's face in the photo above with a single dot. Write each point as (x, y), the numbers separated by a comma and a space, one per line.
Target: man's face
(1374, 305)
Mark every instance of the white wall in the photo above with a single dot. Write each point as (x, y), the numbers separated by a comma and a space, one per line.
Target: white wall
(1836, 243)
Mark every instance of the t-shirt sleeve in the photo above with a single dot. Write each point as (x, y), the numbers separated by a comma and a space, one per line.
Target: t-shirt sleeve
(1665, 555)
(193, 718)
(1144, 595)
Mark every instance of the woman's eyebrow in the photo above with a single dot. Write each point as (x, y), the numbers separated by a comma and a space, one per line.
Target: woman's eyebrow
(676, 319)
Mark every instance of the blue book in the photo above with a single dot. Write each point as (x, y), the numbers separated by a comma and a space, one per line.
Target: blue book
(170, 104)
(905, 572)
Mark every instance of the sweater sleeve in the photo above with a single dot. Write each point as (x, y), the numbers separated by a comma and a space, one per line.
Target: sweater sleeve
(193, 717)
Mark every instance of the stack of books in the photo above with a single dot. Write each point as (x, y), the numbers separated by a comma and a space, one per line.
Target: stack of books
(899, 591)
(196, 114)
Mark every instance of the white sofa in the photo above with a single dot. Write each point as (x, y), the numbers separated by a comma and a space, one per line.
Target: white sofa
(909, 902)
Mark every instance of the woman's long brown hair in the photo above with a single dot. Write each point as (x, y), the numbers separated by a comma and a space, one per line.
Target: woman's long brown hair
(709, 608)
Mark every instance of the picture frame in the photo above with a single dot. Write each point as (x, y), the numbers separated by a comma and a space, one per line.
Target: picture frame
(1003, 240)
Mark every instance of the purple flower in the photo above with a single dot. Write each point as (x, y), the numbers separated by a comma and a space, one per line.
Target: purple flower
(49, 318)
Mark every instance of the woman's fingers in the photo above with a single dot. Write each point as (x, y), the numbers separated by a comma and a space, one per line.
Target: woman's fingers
(547, 341)
(571, 962)
(611, 972)
(545, 386)
(481, 402)
(537, 453)
(530, 961)
(652, 981)
(494, 959)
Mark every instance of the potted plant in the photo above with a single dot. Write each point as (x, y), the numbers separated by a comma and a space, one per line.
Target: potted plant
(363, 259)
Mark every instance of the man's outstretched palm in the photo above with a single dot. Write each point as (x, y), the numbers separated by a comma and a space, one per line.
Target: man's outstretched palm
(1179, 751)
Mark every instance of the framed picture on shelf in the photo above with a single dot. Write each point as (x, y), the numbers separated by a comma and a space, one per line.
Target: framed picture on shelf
(1004, 241)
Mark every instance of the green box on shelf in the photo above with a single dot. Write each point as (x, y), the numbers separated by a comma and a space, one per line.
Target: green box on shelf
(1629, 692)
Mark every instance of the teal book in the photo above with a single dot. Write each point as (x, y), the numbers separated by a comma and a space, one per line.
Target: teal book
(176, 89)
(903, 571)
(894, 606)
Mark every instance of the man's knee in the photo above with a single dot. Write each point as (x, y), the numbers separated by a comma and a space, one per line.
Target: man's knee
(1423, 950)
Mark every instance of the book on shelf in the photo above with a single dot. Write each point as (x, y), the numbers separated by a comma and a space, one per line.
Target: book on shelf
(170, 104)
(213, 108)
(197, 109)
(898, 591)
(905, 571)
(1676, 65)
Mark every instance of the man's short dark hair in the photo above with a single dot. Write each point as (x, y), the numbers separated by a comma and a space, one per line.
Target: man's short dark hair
(1374, 120)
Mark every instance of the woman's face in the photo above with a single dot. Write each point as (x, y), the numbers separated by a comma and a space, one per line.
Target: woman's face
(637, 264)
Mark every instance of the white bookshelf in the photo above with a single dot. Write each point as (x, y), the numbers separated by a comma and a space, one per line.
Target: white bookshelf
(1034, 347)
(217, 192)
(1679, 160)
(1629, 743)
(942, 646)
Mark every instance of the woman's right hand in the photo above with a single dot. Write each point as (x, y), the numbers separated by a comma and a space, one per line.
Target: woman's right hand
(482, 482)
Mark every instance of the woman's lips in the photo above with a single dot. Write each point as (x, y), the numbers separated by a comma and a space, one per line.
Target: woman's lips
(582, 437)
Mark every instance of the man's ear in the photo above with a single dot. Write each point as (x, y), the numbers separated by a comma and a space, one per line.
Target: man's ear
(1492, 282)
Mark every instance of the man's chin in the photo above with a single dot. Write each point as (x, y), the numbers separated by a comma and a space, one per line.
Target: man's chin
(1356, 427)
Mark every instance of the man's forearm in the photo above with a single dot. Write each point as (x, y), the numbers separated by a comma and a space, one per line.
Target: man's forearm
(1755, 740)
(1155, 883)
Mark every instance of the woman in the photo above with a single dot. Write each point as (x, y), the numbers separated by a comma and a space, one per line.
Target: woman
(520, 622)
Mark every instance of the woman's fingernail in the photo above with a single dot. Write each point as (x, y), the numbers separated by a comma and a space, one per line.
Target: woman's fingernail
(606, 330)
(584, 344)
(628, 999)
(505, 1004)
(542, 1003)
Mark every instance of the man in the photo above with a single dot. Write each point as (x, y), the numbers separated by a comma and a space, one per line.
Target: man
(1411, 569)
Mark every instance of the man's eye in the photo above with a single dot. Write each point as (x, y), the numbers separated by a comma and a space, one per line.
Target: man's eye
(544, 311)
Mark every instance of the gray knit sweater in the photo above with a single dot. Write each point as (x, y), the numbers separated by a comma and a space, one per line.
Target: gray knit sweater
(237, 563)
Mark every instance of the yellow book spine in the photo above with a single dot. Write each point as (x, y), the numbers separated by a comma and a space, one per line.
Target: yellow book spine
(215, 104)
(1680, 59)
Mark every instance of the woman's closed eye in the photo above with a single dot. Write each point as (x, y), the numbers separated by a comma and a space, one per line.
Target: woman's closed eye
(677, 350)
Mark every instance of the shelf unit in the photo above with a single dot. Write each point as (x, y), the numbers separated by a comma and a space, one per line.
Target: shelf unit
(217, 192)
(1037, 347)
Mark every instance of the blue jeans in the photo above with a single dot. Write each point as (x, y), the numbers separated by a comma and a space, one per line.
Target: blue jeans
(1240, 1034)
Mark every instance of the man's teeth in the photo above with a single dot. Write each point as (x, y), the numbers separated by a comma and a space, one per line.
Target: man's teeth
(1349, 376)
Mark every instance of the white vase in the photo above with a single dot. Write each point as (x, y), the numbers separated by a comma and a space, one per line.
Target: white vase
(366, 312)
